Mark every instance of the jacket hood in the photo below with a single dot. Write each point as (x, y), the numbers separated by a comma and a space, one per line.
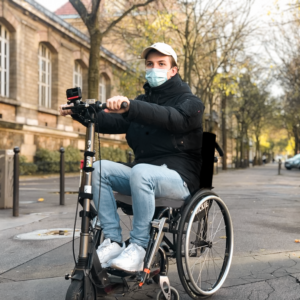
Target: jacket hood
(166, 91)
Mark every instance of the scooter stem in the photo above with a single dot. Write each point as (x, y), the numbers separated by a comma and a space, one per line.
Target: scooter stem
(87, 189)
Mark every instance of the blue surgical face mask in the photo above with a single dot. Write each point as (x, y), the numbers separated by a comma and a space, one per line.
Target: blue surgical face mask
(156, 77)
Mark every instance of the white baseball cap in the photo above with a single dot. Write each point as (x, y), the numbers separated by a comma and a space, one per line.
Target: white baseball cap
(162, 48)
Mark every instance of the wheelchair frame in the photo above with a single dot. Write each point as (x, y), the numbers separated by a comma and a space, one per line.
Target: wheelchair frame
(173, 216)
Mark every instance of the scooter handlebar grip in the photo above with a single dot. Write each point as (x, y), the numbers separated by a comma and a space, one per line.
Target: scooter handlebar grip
(123, 105)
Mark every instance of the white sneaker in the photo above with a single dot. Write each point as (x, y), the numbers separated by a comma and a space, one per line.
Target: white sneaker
(107, 251)
(131, 259)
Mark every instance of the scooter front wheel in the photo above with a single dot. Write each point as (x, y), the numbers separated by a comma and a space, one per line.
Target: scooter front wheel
(75, 291)
(174, 294)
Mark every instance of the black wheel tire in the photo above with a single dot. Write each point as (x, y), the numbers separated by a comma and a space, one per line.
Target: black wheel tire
(75, 291)
(186, 282)
(174, 295)
(288, 168)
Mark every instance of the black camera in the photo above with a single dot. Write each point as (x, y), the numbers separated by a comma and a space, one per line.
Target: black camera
(74, 94)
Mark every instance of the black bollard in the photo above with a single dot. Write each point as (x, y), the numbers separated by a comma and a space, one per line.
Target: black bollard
(62, 176)
(279, 166)
(16, 183)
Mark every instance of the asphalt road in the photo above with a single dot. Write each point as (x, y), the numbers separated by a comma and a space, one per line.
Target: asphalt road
(264, 207)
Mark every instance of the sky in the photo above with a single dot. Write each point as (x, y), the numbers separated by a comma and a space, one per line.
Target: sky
(53, 4)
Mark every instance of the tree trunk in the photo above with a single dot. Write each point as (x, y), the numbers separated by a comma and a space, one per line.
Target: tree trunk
(190, 68)
(93, 72)
(186, 49)
(224, 133)
(237, 146)
(257, 150)
(248, 149)
(211, 117)
(237, 153)
(242, 146)
(93, 78)
(297, 141)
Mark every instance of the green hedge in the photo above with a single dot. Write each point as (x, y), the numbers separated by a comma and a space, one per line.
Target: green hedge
(49, 161)
(114, 154)
(46, 161)
(25, 167)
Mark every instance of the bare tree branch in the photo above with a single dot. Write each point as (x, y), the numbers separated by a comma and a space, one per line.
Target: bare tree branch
(80, 8)
(115, 22)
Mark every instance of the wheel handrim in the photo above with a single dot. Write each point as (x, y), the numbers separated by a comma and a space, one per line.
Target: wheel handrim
(208, 268)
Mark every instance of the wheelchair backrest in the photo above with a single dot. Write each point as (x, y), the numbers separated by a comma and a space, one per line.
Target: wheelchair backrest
(207, 161)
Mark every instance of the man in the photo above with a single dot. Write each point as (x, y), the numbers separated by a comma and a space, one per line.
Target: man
(164, 129)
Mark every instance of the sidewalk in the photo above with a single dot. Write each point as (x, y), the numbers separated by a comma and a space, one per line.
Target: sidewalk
(264, 208)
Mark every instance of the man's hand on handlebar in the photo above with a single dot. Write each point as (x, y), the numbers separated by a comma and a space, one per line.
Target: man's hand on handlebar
(65, 112)
(114, 105)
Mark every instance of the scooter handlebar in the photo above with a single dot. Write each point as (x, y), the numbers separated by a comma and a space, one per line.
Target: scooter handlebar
(98, 106)
(123, 105)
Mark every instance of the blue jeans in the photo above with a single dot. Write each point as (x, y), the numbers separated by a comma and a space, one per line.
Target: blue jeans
(143, 182)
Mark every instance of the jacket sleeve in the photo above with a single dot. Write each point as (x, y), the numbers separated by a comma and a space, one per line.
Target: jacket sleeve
(106, 123)
(181, 118)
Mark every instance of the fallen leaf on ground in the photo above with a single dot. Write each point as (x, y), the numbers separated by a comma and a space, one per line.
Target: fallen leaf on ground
(297, 241)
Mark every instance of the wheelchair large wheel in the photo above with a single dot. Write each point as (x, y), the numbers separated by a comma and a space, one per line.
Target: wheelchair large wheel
(205, 245)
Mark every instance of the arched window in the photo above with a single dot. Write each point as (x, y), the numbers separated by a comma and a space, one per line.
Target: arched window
(44, 76)
(77, 75)
(4, 61)
(104, 88)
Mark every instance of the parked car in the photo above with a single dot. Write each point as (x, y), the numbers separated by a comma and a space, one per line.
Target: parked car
(293, 162)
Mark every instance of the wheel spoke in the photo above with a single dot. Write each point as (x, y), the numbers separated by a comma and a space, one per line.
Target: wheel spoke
(219, 254)
(213, 262)
(217, 230)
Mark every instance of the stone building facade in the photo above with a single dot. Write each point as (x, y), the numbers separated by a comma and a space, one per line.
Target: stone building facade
(41, 56)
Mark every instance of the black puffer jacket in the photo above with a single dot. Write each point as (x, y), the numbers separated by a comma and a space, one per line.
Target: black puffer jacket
(162, 126)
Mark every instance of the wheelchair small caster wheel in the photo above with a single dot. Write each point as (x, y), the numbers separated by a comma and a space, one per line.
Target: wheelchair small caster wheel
(174, 295)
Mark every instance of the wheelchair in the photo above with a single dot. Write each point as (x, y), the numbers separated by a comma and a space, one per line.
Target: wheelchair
(197, 232)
